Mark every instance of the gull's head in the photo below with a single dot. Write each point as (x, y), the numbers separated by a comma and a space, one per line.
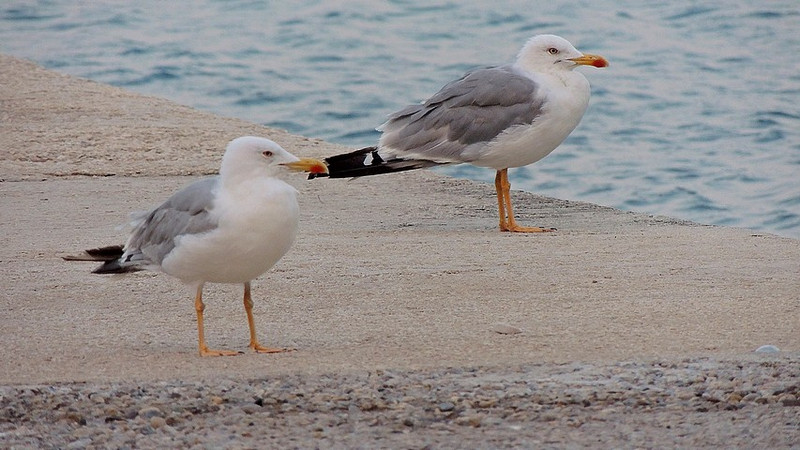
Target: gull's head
(547, 52)
(257, 155)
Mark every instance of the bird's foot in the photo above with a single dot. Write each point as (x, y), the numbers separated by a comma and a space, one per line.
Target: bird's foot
(514, 228)
(258, 348)
(205, 351)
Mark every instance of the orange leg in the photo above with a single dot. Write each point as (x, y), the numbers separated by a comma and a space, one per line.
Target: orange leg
(501, 203)
(254, 345)
(199, 307)
(504, 205)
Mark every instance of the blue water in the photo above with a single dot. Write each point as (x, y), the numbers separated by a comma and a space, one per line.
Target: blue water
(698, 116)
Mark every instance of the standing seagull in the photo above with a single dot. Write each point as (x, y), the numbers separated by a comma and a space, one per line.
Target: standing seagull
(229, 228)
(497, 117)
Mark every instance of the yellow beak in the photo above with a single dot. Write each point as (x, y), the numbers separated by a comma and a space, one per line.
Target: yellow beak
(309, 165)
(590, 60)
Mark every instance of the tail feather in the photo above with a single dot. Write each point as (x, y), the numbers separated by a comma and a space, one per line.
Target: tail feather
(109, 256)
(109, 253)
(367, 161)
(115, 267)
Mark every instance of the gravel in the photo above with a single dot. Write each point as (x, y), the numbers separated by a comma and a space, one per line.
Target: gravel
(752, 403)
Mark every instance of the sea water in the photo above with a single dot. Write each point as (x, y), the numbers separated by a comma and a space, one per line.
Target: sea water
(697, 116)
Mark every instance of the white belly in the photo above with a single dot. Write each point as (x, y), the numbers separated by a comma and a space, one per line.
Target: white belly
(247, 243)
(525, 144)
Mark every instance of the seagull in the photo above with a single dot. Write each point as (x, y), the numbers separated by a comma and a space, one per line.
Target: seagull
(497, 117)
(229, 228)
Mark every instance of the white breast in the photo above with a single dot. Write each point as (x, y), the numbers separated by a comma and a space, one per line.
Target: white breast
(567, 96)
(253, 234)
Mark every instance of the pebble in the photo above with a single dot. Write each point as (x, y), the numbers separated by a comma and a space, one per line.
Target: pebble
(157, 422)
(251, 408)
(503, 328)
(80, 443)
(545, 405)
(768, 349)
(446, 406)
(472, 420)
(149, 412)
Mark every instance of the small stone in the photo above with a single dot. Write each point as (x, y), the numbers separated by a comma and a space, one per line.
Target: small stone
(149, 412)
(173, 420)
(486, 403)
(504, 328)
(266, 401)
(217, 400)
(157, 422)
(473, 420)
(768, 349)
(734, 397)
(81, 443)
(750, 397)
(787, 399)
(712, 397)
(97, 398)
(250, 409)
(446, 406)
(76, 417)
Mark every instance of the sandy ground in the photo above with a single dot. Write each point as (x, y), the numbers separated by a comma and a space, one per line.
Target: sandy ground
(403, 272)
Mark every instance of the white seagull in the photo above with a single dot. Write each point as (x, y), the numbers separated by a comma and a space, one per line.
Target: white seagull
(497, 117)
(230, 228)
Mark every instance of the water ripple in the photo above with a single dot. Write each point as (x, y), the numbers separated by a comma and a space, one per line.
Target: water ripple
(690, 119)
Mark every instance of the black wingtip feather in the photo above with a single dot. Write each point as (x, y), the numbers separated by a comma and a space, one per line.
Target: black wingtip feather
(108, 253)
(114, 266)
(103, 254)
(349, 165)
(109, 256)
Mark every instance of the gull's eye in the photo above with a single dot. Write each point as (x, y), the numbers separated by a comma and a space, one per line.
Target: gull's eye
(552, 51)
(267, 153)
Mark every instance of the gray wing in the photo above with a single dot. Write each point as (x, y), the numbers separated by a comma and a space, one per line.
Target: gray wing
(471, 110)
(186, 212)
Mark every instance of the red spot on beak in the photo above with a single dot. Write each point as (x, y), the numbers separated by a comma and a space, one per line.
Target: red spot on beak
(600, 62)
(318, 168)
